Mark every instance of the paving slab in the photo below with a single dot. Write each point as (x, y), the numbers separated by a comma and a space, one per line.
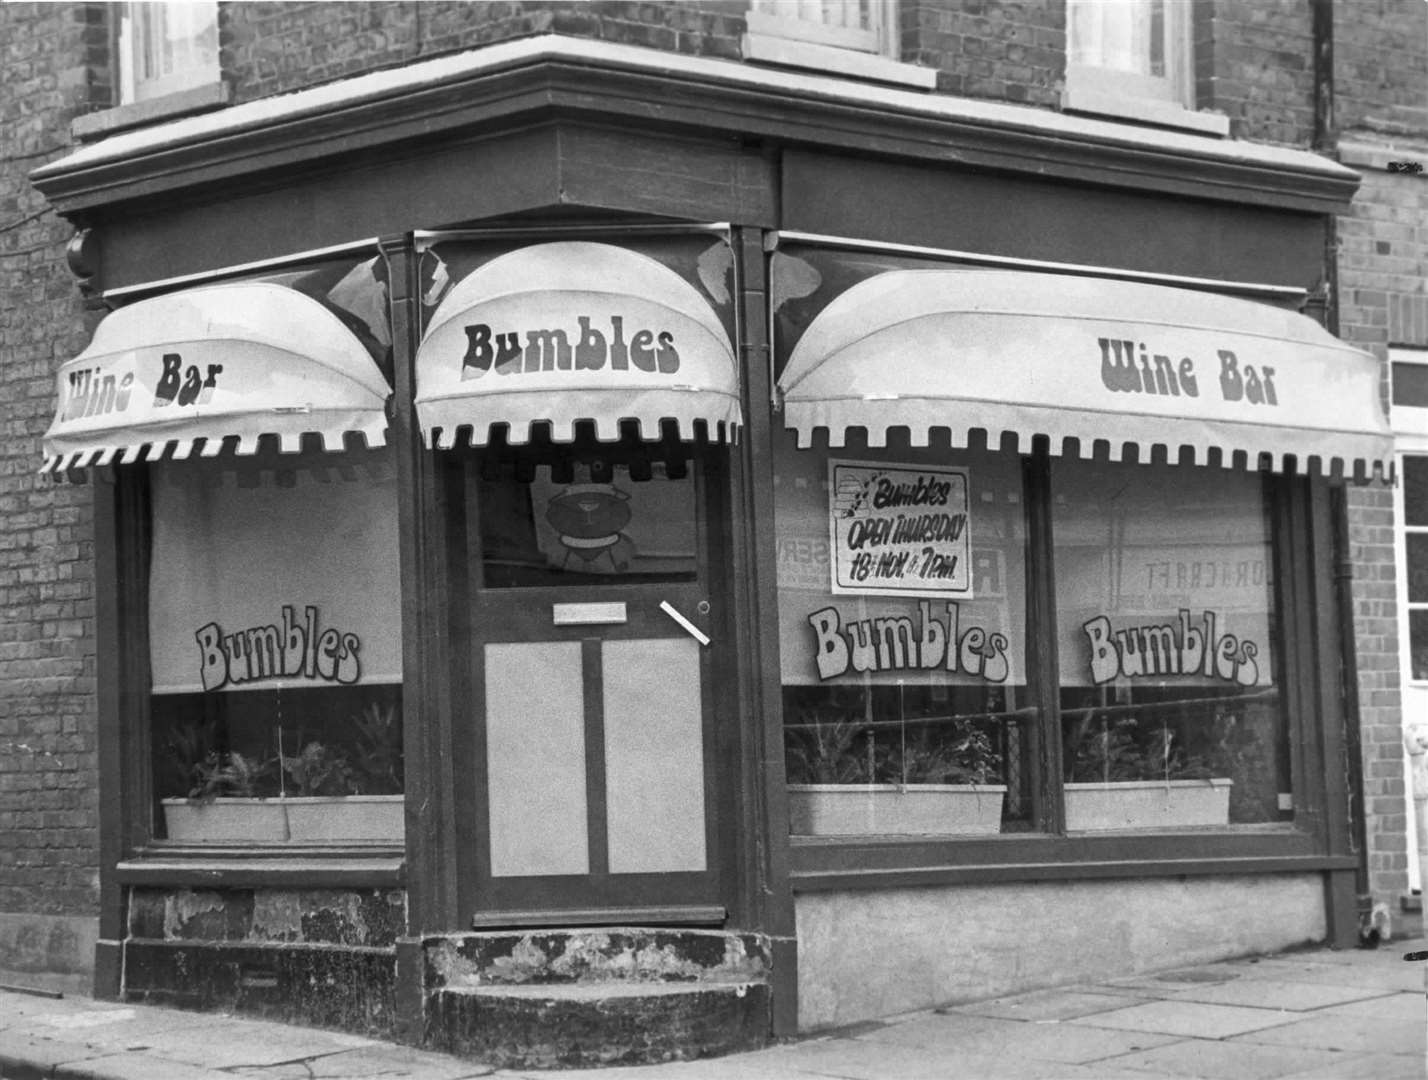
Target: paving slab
(1404, 1006)
(380, 1060)
(1043, 1005)
(1188, 1019)
(1215, 1060)
(137, 1067)
(227, 1043)
(1368, 1067)
(954, 1036)
(1277, 994)
(1351, 1034)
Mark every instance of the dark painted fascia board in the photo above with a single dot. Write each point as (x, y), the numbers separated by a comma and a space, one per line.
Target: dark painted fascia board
(553, 82)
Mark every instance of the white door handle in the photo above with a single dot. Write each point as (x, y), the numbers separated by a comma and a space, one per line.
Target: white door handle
(694, 631)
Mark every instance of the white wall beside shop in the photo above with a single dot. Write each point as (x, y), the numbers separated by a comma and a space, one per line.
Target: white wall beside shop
(880, 952)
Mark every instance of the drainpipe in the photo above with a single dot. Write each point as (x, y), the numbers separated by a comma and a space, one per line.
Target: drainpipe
(1325, 141)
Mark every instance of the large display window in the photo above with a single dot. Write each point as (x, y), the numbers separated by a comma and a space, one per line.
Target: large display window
(1166, 635)
(902, 618)
(907, 644)
(275, 650)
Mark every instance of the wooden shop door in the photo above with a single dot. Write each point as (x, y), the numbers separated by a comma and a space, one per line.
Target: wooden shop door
(596, 633)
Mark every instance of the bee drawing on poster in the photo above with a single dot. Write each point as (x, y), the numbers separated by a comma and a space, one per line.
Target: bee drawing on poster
(898, 530)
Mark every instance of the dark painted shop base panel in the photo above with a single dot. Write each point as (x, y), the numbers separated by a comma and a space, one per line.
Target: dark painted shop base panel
(352, 989)
(571, 998)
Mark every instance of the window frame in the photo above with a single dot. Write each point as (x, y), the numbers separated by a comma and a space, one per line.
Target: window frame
(1167, 100)
(1410, 431)
(1311, 842)
(774, 37)
(134, 27)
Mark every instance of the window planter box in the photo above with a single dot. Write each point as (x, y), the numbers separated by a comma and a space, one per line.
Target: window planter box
(888, 809)
(351, 817)
(1142, 804)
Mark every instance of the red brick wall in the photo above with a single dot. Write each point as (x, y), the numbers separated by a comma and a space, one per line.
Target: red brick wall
(1381, 106)
(48, 854)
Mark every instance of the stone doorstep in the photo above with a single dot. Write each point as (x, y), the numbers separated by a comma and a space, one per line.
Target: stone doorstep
(600, 991)
(577, 1025)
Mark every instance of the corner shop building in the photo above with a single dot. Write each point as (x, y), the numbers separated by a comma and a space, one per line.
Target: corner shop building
(667, 513)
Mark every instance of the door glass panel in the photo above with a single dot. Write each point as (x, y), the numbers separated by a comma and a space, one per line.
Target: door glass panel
(535, 758)
(654, 755)
(598, 523)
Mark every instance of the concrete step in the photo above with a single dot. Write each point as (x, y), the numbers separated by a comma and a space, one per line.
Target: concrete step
(583, 1025)
(567, 998)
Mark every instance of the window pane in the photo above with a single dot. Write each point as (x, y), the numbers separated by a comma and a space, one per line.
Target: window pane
(906, 707)
(593, 523)
(1410, 385)
(275, 645)
(1417, 549)
(1166, 646)
(1418, 642)
(1124, 35)
(1415, 490)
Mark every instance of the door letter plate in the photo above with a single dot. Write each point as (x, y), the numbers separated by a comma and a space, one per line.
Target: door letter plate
(587, 614)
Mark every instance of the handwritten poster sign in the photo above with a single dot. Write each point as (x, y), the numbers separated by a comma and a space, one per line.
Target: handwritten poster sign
(899, 529)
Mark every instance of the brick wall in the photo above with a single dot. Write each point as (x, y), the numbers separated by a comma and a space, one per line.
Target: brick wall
(1254, 63)
(1381, 72)
(48, 854)
(273, 48)
(998, 49)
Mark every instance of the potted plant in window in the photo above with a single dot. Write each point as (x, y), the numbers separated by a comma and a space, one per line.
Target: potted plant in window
(318, 795)
(850, 777)
(333, 797)
(1122, 777)
(225, 790)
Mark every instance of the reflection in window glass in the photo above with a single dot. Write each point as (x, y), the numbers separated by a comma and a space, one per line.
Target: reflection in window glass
(1418, 642)
(901, 614)
(598, 523)
(1164, 594)
(275, 644)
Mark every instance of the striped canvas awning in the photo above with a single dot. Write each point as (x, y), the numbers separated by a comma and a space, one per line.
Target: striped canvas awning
(575, 331)
(239, 360)
(1098, 361)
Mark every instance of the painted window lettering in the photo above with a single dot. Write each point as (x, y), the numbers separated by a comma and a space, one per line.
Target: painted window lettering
(901, 643)
(1123, 370)
(1164, 649)
(549, 349)
(294, 650)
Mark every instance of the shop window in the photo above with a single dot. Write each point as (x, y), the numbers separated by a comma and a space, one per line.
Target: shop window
(1170, 705)
(166, 48)
(857, 38)
(907, 636)
(902, 610)
(1134, 59)
(275, 649)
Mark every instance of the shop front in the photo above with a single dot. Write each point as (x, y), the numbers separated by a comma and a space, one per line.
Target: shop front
(605, 620)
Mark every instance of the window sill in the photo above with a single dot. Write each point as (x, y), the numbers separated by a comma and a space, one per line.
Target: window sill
(255, 866)
(886, 862)
(827, 59)
(97, 125)
(1143, 110)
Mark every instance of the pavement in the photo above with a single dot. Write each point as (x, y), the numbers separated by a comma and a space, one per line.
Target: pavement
(1315, 1014)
